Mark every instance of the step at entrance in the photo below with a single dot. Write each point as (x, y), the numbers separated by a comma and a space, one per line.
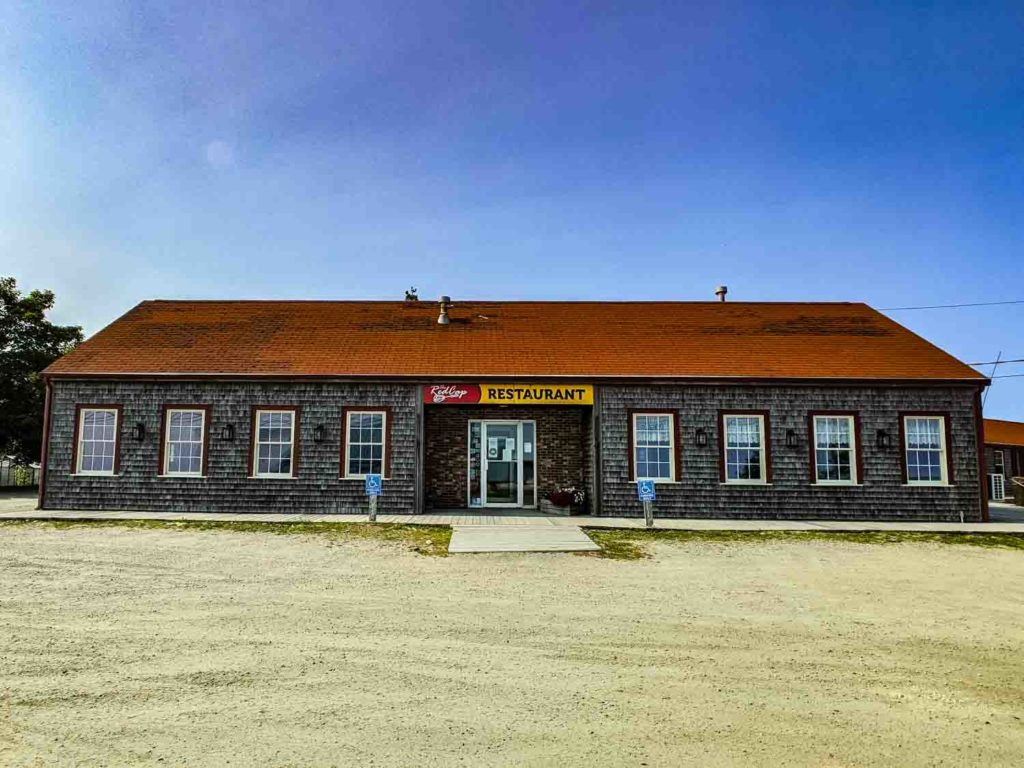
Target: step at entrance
(520, 538)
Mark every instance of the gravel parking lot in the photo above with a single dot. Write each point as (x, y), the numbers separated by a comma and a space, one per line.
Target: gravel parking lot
(185, 647)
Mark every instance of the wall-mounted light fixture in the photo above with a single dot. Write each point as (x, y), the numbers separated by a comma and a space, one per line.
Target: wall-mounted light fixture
(139, 432)
(227, 432)
(883, 440)
(701, 437)
(318, 433)
(792, 441)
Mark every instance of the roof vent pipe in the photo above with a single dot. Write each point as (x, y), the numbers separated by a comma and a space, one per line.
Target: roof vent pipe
(721, 291)
(445, 302)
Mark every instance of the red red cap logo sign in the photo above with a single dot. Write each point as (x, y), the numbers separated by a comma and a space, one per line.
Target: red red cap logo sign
(451, 393)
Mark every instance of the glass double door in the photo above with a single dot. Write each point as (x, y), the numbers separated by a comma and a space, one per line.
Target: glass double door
(506, 464)
(502, 449)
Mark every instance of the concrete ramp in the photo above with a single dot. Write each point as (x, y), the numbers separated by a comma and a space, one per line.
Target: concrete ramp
(520, 538)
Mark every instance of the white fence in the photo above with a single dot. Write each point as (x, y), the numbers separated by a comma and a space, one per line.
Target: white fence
(18, 475)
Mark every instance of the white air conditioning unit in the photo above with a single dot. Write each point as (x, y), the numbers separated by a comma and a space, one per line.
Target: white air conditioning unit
(997, 487)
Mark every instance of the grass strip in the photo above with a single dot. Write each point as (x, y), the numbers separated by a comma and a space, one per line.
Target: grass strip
(615, 543)
(629, 543)
(429, 540)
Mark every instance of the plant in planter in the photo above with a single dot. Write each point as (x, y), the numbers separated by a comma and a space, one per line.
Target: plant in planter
(568, 496)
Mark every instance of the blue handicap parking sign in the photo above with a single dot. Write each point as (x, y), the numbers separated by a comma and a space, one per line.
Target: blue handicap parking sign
(373, 485)
(645, 490)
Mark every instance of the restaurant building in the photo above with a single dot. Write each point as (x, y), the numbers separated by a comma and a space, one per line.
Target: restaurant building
(760, 410)
(1004, 457)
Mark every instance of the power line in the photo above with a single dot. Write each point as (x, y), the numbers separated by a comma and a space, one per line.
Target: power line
(995, 365)
(954, 306)
(998, 362)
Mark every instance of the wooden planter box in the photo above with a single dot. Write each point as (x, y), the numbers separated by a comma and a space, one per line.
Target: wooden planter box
(550, 509)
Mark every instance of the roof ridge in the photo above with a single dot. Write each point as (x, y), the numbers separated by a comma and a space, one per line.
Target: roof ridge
(429, 302)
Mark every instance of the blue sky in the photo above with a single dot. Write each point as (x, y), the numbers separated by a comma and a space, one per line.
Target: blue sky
(521, 150)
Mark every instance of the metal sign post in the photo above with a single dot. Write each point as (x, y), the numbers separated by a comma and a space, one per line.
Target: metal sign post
(373, 489)
(645, 491)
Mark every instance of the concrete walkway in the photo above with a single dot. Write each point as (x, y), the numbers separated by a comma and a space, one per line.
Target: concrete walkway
(1005, 513)
(684, 524)
(21, 506)
(520, 538)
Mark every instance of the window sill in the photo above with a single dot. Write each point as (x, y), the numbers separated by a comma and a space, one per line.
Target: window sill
(656, 482)
(837, 485)
(181, 477)
(95, 474)
(360, 478)
(745, 485)
(272, 477)
(929, 485)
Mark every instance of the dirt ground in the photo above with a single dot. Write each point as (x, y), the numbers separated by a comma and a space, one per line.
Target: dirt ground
(166, 647)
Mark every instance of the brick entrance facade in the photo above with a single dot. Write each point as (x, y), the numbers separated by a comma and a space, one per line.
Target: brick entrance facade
(563, 441)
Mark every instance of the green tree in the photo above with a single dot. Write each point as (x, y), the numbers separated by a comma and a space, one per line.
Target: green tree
(28, 343)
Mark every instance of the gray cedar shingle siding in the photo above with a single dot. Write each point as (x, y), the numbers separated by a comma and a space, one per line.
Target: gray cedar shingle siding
(699, 493)
(227, 488)
(791, 495)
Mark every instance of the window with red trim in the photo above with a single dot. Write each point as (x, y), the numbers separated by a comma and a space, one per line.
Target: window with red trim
(274, 442)
(746, 448)
(925, 450)
(184, 442)
(835, 449)
(366, 433)
(96, 449)
(654, 446)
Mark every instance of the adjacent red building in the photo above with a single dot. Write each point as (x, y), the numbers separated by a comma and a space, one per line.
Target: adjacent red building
(1004, 457)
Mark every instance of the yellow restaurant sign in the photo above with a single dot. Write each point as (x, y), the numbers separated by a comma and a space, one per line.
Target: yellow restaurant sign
(509, 394)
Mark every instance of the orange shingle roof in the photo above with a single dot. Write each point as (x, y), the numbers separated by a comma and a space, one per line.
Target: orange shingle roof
(999, 432)
(512, 339)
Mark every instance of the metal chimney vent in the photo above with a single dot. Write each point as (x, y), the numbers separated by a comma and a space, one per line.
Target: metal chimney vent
(445, 303)
(721, 291)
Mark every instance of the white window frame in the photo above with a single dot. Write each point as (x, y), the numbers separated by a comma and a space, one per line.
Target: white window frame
(383, 440)
(943, 450)
(762, 448)
(256, 444)
(672, 468)
(851, 420)
(80, 453)
(165, 469)
(1002, 460)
